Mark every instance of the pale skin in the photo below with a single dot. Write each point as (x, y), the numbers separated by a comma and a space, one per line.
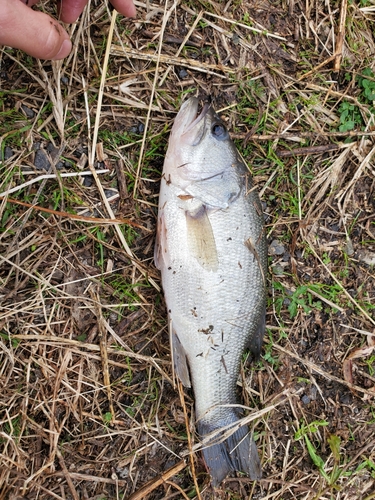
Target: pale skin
(40, 35)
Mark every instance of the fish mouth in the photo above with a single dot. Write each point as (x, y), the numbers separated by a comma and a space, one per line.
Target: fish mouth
(188, 123)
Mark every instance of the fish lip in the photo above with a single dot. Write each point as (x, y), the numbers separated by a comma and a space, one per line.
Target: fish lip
(187, 121)
(198, 118)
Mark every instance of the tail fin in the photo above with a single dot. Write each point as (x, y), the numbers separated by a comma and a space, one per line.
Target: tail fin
(236, 453)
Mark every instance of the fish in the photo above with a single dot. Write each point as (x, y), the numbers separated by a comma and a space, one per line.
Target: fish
(211, 251)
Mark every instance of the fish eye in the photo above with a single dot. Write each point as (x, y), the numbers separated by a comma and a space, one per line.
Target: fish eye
(219, 131)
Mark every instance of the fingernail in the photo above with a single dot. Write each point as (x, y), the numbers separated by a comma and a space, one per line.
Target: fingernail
(65, 49)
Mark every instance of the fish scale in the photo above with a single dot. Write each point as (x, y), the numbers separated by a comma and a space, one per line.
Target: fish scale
(211, 250)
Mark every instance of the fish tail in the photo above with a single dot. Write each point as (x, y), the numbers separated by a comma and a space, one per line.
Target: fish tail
(236, 453)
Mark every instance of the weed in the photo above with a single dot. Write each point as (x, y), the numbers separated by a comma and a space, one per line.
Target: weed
(350, 114)
(268, 356)
(302, 299)
(100, 236)
(107, 417)
(367, 464)
(350, 117)
(5, 336)
(334, 444)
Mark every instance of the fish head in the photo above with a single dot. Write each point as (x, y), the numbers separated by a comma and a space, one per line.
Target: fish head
(200, 149)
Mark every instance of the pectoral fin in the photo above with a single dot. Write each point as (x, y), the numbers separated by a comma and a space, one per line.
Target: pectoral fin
(201, 238)
(179, 358)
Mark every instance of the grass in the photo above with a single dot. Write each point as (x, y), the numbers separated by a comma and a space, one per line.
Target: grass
(88, 408)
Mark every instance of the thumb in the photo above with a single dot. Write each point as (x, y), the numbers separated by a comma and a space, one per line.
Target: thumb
(34, 32)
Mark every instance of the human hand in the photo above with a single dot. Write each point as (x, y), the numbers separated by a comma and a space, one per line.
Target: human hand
(38, 34)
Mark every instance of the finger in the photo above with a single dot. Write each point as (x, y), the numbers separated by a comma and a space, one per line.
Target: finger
(34, 32)
(29, 3)
(69, 10)
(125, 7)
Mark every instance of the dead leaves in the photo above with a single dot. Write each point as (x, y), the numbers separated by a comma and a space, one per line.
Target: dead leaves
(349, 367)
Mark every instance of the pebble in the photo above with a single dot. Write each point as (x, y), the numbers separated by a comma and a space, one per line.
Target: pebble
(80, 151)
(305, 399)
(276, 248)
(183, 73)
(348, 248)
(236, 39)
(28, 112)
(8, 153)
(286, 257)
(137, 129)
(88, 180)
(277, 269)
(41, 160)
(313, 392)
(366, 256)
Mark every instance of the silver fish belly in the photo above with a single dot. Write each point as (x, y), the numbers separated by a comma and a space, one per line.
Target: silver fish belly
(211, 251)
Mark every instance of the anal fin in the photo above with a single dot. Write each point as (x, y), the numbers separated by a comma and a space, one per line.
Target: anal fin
(179, 359)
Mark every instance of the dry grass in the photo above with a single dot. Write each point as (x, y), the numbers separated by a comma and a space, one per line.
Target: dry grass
(88, 408)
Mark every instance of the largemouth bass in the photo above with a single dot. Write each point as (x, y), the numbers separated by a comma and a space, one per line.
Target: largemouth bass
(211, 251)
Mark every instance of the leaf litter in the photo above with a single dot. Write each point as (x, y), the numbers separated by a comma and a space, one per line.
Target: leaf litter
(88, 405)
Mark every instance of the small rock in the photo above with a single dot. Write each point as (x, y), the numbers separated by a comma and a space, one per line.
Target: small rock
(305, 399)
(276, 248)
(137, 129)
(41, 160)
(193, 55)
(88, 180)
(286, 257)
(123, 473)
(64, 80)
(366, 256)
(53, 151)
(28, 112)
(277, 269)
(110, 192)
(235, 39)
(80, 151)
(349, 249)
(183, 73)
(313, 392)
(8, 153)
(345, 399)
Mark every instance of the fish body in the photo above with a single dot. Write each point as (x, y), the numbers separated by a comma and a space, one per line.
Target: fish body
(211, 250)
